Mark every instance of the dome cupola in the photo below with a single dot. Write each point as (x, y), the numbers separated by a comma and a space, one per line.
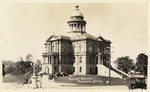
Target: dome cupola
(77, 13)
(77, 24)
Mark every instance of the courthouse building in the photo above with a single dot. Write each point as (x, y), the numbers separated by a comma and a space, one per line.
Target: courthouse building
(77, 53)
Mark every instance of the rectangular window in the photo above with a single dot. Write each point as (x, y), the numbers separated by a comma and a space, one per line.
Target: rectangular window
(79, 48)
(48, 60)
(80, 59)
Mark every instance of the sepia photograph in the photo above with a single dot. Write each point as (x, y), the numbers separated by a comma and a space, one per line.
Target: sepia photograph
(101, 46)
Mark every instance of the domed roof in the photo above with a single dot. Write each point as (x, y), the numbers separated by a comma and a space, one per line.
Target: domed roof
(77, 12)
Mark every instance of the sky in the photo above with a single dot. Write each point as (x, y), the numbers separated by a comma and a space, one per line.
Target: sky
(24, 27)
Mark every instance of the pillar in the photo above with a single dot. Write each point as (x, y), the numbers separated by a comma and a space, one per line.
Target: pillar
(84, 28)
(79, 27)
(71, 27)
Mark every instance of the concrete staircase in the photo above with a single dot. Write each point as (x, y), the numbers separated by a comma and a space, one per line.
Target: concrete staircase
(115, 73)
(123, 74)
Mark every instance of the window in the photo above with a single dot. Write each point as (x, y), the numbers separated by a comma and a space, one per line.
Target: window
(49, 60)
(54, 60)
(64, 59)
(80, 70)
(53, 48)
(90, 60)
(80, 59)
(74, 46)
(73, 69)
(55, 68)
(64, 49)
(96, 70)
(80, 48)
(46, 70)
(90, 69)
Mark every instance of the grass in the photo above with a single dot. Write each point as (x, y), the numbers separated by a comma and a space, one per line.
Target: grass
(114, 81)
(14, 78)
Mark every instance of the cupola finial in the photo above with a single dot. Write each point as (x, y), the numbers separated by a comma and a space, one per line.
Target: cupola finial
(77, 7)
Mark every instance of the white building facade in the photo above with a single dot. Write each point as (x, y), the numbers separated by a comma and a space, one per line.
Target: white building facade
(78, 53)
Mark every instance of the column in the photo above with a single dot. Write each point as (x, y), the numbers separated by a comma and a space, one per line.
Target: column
(84, 28)
(71, 27)
(59, 68)
(99, 59)
(79, 27)
(48, 48)
(45, 48)
(44, 59)
(51, 60)
(102, 60)
(51, 47)
(75, 26)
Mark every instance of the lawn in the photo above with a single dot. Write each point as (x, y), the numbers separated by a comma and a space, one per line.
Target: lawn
(88, 79)
(15, 78)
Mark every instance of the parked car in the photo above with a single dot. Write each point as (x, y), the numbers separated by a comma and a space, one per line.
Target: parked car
(64, 74)
(135, 83)
(61, 74)
(57, 75)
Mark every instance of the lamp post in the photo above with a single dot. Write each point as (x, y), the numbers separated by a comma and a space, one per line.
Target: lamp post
(34, 77)
(34, 69)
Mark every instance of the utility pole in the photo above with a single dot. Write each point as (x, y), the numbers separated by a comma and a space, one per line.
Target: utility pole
(109, 66)
(109, 69)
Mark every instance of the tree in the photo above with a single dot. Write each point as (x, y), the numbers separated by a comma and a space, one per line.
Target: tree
(3, 69)
(141, 64)
(124, 63)
(8, 65)
(20, 59)
(29, 57)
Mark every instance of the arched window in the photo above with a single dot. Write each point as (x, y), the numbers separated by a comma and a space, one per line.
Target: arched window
(80, 70)
(96, 70)
(46, 70)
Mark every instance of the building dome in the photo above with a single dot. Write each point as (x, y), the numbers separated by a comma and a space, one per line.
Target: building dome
(77, 12)
(77, 24)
